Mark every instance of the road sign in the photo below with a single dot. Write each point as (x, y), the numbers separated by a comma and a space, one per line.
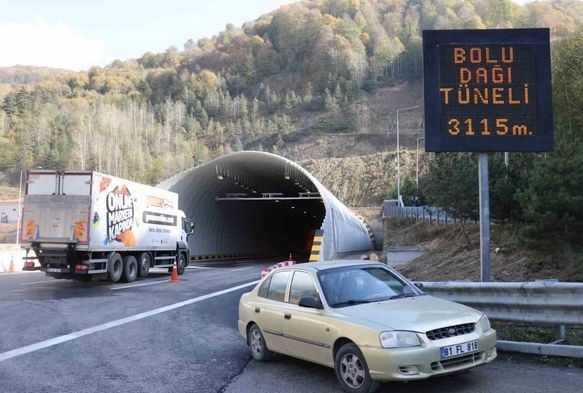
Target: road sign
(487, 90)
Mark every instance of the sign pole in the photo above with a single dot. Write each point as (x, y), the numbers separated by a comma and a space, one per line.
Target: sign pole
(484, 218)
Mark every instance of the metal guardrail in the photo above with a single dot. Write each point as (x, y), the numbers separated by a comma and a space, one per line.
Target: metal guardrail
(545, 302)
(433, 215)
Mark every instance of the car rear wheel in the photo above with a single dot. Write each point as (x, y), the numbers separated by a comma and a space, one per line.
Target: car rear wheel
(257, 345)
(352, 371)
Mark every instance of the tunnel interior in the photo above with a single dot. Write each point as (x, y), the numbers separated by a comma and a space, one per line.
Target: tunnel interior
(259, 204)
(244, 206)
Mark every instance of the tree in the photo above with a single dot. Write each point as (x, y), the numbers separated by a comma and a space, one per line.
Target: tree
(408, 191)
(552, 202)
(552, 199)
(237, 144)
(452, 184)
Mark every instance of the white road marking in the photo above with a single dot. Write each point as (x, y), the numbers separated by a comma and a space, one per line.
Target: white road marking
(242, 268)
(140, 284)
(118, 322)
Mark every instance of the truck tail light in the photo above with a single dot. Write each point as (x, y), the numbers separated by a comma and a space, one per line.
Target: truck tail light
(29, 265)
(81, 267)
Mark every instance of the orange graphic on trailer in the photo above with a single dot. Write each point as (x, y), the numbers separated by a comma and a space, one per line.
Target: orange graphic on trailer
(79, 229)
(30, 228)
(120, 216)
(105, 181)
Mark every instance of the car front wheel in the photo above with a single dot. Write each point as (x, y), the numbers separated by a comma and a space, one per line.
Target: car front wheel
(352, 371)
(257, 345)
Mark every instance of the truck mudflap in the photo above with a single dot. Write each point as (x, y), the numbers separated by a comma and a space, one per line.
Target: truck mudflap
(30, 264)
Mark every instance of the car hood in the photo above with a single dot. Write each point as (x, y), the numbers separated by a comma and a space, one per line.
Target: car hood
(419, 313)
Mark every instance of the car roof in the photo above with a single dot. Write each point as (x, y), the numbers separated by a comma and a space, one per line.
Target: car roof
(317, 266)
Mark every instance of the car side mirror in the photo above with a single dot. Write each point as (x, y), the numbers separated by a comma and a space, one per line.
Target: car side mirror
(310, 302)
(419, 285)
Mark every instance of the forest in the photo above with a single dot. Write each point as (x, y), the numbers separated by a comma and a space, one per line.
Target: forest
(312, 70)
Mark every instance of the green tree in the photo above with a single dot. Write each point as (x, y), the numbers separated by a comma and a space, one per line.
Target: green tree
(552, 202)
(552, 199)
(452, 184)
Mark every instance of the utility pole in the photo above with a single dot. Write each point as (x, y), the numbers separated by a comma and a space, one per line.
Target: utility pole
(417, 162)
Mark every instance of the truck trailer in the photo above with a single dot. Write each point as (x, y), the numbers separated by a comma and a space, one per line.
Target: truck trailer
(83, 224)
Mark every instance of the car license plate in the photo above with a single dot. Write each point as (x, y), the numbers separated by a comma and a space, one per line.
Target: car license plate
(459, 349)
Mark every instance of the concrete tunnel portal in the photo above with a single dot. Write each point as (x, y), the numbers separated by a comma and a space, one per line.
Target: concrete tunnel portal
(260, 204)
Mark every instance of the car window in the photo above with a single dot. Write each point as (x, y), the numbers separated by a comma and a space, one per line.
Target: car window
(302, 285)
(278, 285)
(264, 288)
(354, 285)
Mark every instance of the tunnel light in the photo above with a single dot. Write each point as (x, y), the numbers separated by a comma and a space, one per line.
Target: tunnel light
(220, 177)
(254, 192)
(293, 207)
(305, 212)
(277, 201)
(297, 183)
(314, 216)
(286, 177)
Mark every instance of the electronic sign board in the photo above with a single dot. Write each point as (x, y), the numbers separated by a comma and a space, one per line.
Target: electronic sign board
(487, 90)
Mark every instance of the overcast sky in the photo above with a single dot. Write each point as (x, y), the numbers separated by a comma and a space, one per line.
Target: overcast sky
(76, 34)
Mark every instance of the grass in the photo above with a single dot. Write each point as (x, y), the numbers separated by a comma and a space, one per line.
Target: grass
(7, 193)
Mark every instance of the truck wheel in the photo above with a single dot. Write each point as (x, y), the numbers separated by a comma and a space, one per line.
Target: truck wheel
(144, 264)
(130, 268)
(115, 266)
(181, 264)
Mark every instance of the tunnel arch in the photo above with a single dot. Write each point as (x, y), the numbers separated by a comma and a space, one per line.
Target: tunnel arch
(257, 203)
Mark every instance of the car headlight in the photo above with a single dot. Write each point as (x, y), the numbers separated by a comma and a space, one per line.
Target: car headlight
(484, 323)
(399, 339)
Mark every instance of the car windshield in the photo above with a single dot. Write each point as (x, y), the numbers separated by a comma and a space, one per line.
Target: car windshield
(352, 285)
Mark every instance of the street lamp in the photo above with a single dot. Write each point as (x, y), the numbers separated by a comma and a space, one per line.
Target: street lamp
(417, 161)
(399, 153)
(19, 209)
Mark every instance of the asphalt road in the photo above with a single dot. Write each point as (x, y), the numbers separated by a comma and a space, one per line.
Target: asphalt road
(155, 336)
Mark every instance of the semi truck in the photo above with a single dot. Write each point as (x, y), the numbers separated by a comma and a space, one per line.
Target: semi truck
(85, 224)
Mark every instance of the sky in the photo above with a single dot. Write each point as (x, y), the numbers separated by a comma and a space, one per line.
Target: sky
(77, 34)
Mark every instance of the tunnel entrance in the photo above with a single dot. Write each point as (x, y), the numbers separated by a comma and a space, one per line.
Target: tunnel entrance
(260, 204)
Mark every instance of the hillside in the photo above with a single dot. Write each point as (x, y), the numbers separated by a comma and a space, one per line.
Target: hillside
(452, 255)
(30, 75)
(312, 80)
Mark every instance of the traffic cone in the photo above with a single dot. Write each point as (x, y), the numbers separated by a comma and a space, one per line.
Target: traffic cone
(174, 277)
(11, 266)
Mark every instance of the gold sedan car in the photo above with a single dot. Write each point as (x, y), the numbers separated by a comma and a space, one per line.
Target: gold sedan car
(366, 321)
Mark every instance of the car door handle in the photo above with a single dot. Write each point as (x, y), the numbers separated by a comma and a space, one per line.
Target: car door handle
(257, 310)
(287, 315)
